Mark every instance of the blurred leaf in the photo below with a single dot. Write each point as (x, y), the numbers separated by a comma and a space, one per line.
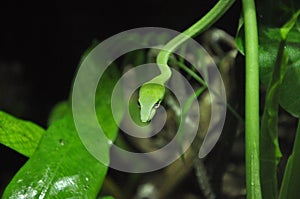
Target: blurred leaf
(59, 111)
(286, 28)
(22, 136)
(289, 99)
(107, 197)
(270, 38)
(103, 102)
(62, 167)
(275, 13)
(269, 42)
(289, 91)
(134, 58)
(269, 147)
(291, 183)
(240, 37)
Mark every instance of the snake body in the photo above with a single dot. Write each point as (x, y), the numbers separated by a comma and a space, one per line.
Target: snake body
(152, 92)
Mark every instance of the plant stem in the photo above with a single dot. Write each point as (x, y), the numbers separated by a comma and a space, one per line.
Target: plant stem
(201, 81)
(252, 101)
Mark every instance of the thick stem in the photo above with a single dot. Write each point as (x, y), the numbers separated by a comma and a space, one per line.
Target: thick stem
(252, 101)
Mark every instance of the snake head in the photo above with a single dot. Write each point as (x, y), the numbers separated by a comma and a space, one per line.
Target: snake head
(150, 97)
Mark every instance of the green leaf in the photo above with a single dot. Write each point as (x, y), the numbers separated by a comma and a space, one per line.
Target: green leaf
(20, 135)
(291, 183)
(103, 102)
(240, 36)
(269, 43)
(289, 91)
(270, 152)
(270, 38)
(286, 28)
(62, 167)
(289, 99)
(269, 148)
(59, 111)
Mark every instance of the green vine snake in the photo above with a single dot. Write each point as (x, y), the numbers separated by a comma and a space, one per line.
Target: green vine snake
(152, 92)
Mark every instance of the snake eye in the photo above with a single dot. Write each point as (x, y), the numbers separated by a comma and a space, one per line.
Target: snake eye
(138, 104)
(156, 105)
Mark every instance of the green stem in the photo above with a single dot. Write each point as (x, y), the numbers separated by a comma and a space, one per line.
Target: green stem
(252, 101)
(192, 73)
(201, 81)
(204, 23)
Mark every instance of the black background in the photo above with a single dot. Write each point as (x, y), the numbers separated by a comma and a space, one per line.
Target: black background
(48, 39)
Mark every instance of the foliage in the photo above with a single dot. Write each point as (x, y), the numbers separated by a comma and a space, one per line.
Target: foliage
(54, 170)
(279, 54)
(20, 135)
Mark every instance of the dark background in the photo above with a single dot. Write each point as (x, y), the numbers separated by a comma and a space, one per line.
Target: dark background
(41, 45)
(47, 40)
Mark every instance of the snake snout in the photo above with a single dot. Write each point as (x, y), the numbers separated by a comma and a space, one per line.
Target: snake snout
(145, 118)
